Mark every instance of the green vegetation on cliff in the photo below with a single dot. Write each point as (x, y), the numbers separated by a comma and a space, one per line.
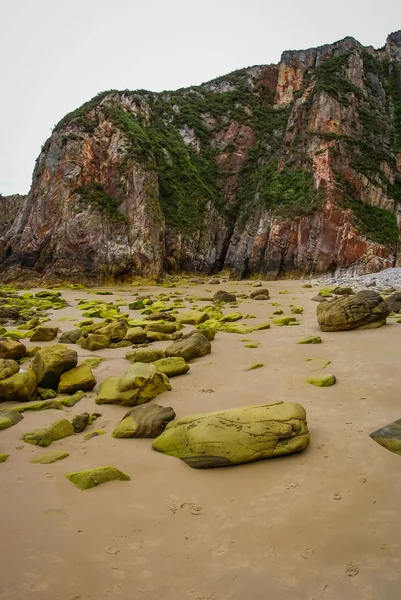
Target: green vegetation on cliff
(95, 195)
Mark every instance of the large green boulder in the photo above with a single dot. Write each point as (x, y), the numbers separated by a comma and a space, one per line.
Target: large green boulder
(144, 355)
(20, 387)
(364, 310)
(44, 334)
(172, 366)
(70, 337)
(193, 347)
(192, 317)
(90, 478)
(9, 418)
(51, 362)
(136, 335)
(146, 421)
(46, 436)
(237, 435)
(94, 342)
(79, 378)
(115, 331)
(12, 349)
(8, 367)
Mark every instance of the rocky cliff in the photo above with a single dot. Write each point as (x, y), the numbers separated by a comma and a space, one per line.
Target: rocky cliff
(282, 170)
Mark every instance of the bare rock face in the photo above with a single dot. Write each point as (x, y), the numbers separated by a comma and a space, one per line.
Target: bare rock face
(288, 169)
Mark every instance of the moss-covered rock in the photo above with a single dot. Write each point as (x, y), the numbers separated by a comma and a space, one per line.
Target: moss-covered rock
(44, 334)
(193, 347)
(79, 378)
(20, 387)
(323, 380)
(231, 317)
(255, 366)
(12, 349)
(93, 434)
(33, 350)
(94, 342)
(236, 435)
(145, 355)
(79, 422)
(278, 312)
(364, 310)
(136, 335)
(208, 333)
(72, 400)
(9, 418)
(14, 335)
(41, 405)
(115, 331)
(8, 368)
(45, 393)
(140, 384)
(260, 294)
(223, 296)
(93, 363)
(146, 421)
(49, 457)
(310, 339)
(192, 317)
(3, 457)
(281, 321)
(157, 336)
(70, 337)
(297, 310)
(90, 478)
(46, 436)
(51, 362)
(172, 366)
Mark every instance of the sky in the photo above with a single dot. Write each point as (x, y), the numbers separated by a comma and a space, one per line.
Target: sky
(57, 54)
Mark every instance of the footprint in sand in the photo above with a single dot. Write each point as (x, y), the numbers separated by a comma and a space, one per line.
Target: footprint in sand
(352, 569)
(308, 553)
(118, 572)
(111, 550)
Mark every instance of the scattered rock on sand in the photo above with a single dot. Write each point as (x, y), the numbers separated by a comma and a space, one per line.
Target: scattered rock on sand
(12, 349)
(8, 367)
(145, 355)
(8, 418)
(44, 334)
(237, 435)
(364, 310)
(310, 339)
(90, 478)
(46, 436)
(140, 384)
(172, 366)
(223, 296)
(79, 378)
(261, 294)
(70, 337)
(394, 302)
(324, 380)
(389, 436)
(94, 341)
(3, 457)
(20, 387)
(147, 421)
(79, 422)
(49, 457)
(51, 362)
(193, 347)
(72, 400)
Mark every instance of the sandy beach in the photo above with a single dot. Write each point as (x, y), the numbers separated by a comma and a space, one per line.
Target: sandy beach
(319, 525)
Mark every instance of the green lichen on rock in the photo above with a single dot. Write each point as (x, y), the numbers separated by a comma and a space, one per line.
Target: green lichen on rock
(8, 368)
(146, 421)
(235, 436)
(310, 339)
(51, 362)
(323, 380)
(145, 355)
(3, 457)
(389, 437)
(140, 384)
(193, 317)
(297, 310)
(282, 321)
(193, 347)
(255, 366)
(136, 335)
(72, 400)
(46, 436)
(45, 393)
(8, 418)
(20, 387)
(89, 478)
(93, 363)
(79, 378)
(172, 366)
(12, 349)
(253, 345)
(93, 434)
(44, 334)
(94, 342)
(49, 457)
(41, 405)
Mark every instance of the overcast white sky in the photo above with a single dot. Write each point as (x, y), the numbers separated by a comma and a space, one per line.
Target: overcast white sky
(56, 54)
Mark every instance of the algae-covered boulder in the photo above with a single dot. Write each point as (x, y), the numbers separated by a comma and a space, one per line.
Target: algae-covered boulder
(297, 310)
(79, 422)
(323, 380)
(157, 336)
(223, 296)
(70, 337)
(282, 321)
(236, 435)
(342, 291)
(79, 378)
(141, 383)
(394, 302)
(44, 334)
(72, 400)
(51, 362)
(9, 418)
(168, 328)
(144, 355)
(389, 437)
(3, 457)
(49, 457)
(136, 335)
(41, 405)
(231, 317)
(94, 341)
(8, 367)
(172, 366)
(364, 310)
(146, 421)
(45, 394)
(12, 349)
(20, 387)
(89, 478)
(115, 331)
(192, 347)
(192, 317)
(260, 294)
(46, 436)
(310, 339)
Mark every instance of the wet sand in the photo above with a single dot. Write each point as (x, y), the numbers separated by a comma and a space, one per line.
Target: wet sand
(320, 525)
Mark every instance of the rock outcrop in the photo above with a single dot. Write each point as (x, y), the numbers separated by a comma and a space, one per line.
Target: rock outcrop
(364, 310)
(282, 170)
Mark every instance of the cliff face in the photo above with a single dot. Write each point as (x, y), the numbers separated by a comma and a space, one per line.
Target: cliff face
(10, 207)
(282, 170)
